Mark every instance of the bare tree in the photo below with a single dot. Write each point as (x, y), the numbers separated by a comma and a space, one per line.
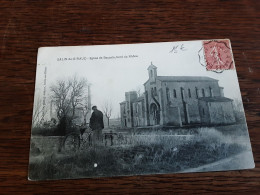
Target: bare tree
(78, 90)
(60, 95)
(85, 107)
(107, 109)
(68, 95)
(139, 90)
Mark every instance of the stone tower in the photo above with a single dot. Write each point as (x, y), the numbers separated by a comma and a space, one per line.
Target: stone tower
(152, 71)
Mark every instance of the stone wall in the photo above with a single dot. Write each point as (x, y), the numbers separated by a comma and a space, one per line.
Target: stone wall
(221, 112)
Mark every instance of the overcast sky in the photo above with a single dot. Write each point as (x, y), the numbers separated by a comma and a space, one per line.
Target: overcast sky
(110, 78)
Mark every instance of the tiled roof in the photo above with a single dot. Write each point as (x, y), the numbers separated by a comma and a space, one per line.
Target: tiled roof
(215, 99)
(185, 78)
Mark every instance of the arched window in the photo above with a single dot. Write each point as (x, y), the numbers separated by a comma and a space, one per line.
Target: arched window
(211, 92)
(203, 92)
(155, 91)
(174, 93)
(189, 93)
(182, 93)
(139, 110)
(197, 93)
(167, 95)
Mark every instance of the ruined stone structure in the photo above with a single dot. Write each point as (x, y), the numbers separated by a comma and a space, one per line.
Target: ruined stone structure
(177, 101)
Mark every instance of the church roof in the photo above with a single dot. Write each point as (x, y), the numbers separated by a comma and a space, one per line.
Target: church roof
(215, 99)
(151, 66)
(185, 78)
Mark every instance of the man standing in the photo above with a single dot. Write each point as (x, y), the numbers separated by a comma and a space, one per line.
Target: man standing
(96, 123)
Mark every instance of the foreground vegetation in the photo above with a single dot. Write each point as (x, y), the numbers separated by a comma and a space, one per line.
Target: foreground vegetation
(148, 153)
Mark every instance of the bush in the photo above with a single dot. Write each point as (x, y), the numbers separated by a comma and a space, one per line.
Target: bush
(43, 131)
(34, 150)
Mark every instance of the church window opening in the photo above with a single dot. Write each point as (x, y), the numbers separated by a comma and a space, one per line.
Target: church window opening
(139, 109)
(155, 91)
(174, 93)
(203, 92)
(167, 95)
(189, 93)
(203, 111)
(182, 93)
(197, 93)
(211, 92)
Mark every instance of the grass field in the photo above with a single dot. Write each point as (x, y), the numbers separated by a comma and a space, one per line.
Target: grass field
(141, 152)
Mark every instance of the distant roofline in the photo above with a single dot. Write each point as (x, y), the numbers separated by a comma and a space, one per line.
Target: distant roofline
(216, 99)
(130, 92)
(185, 78)
(192, 79)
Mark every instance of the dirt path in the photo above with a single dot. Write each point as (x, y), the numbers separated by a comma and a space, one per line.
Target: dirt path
(239, 161)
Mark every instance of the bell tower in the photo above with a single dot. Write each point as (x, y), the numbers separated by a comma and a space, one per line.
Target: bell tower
(152, 71)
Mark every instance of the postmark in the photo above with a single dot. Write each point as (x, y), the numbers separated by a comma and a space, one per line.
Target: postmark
(218, 55)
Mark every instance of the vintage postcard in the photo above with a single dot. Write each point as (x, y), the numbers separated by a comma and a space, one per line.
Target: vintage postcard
(137, 109)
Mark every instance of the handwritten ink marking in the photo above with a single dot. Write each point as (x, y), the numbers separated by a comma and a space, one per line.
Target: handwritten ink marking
(174, 49)
(177, 48)
(183, 48)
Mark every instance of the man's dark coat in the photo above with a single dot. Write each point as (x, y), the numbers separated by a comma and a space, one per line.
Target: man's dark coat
(96, 120)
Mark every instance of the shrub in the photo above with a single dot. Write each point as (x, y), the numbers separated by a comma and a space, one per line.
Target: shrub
(42, 131)
(34, 150)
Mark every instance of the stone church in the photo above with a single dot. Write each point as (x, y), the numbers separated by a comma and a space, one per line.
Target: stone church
(177, 101)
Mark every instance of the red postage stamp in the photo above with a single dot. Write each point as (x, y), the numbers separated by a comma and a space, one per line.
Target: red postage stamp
(218, 55)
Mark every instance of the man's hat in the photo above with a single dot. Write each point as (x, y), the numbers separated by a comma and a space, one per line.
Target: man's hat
(94, 107)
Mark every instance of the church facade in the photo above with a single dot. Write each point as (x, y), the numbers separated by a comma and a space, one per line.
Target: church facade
(177, 101)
